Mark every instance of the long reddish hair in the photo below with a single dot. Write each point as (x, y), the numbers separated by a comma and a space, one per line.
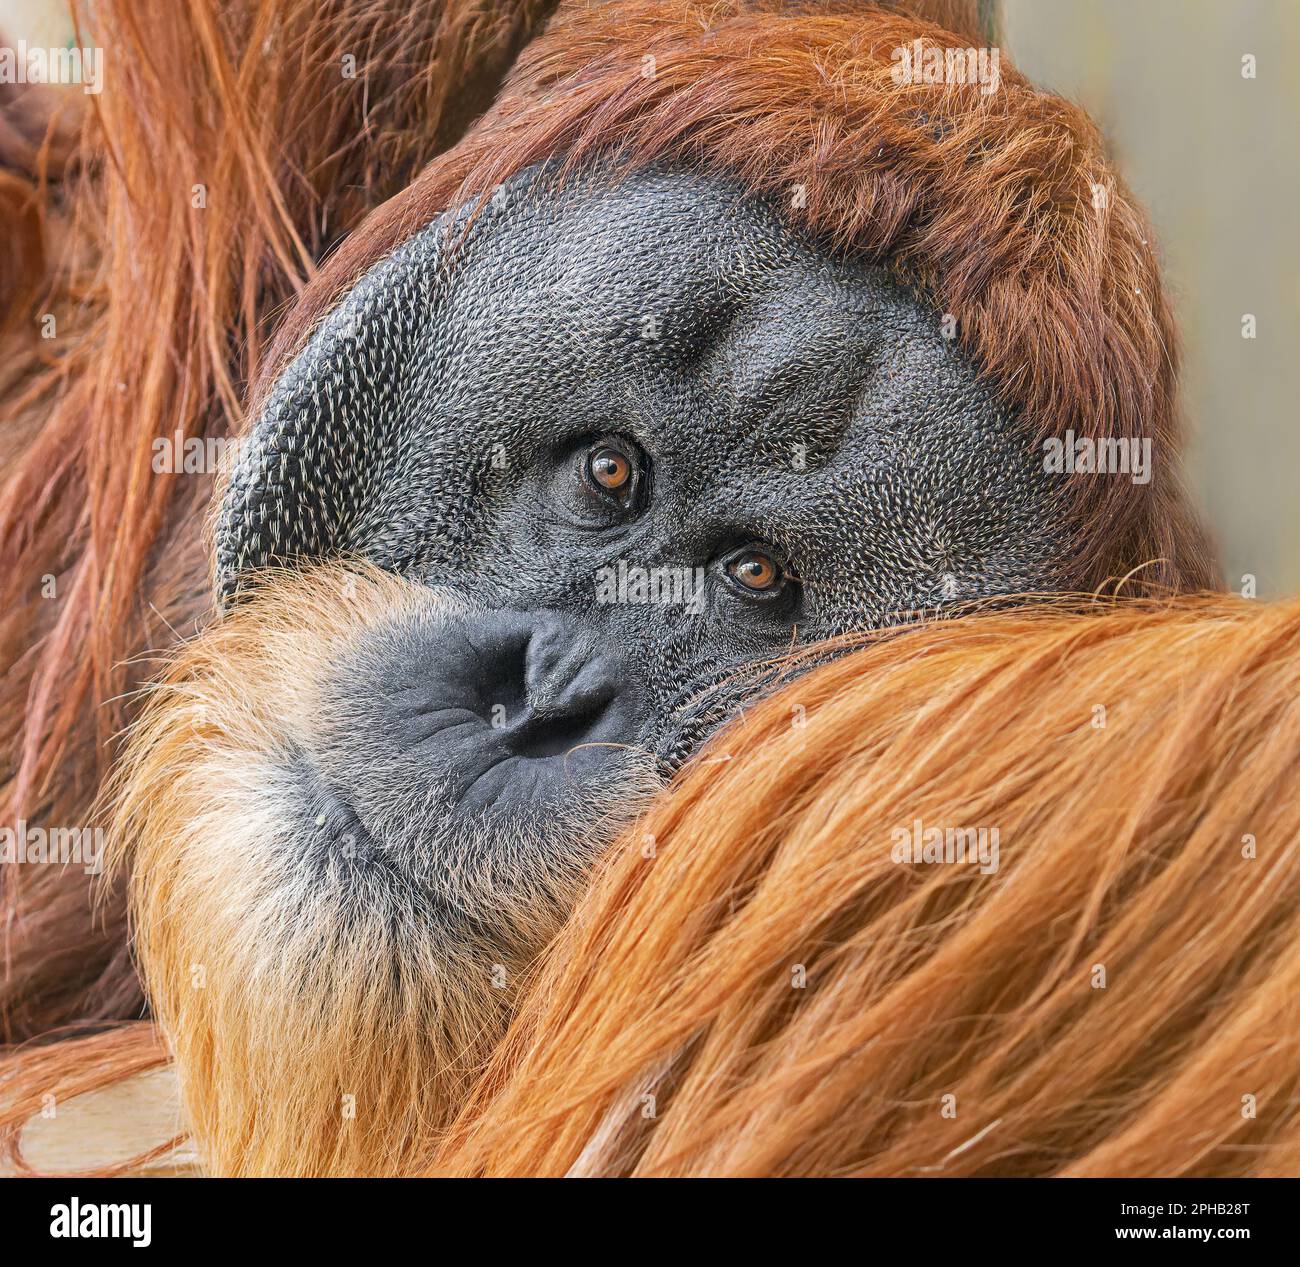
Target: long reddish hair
(759, 982)
(231, 148)
(227, 175)
(762, 983)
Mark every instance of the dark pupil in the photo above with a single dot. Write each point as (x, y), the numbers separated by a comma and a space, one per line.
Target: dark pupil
(610, 469)
(756, 571)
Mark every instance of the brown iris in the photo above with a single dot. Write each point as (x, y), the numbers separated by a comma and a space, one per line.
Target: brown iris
(755, 571)
(609, 469)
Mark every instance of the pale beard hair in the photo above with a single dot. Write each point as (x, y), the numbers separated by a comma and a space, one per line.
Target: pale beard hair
(327, 1005)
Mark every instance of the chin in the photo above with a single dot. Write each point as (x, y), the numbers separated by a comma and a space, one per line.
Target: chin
(314, 888)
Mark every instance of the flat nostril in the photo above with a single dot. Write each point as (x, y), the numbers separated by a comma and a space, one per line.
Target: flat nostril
(567, 692)
(585, 694)
(536, 679)
(562, 676)
(549, 735)
(553, 657)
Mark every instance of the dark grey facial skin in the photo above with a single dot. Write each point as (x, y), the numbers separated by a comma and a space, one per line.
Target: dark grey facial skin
(769, 399)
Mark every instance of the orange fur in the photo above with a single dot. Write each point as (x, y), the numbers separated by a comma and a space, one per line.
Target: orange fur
(1002, 207)
(989, 203)
(986, 203)
(322, 1019)
(1124, 851)
(163, 312)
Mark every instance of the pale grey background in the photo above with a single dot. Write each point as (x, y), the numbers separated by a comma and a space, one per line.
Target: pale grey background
(1215, 159)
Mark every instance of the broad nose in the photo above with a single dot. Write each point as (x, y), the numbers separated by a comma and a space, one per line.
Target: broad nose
(566, 682)
(501, 711)
(549, 687)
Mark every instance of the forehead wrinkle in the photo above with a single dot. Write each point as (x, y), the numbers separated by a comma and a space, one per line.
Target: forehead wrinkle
(792, 389)
(767, 505)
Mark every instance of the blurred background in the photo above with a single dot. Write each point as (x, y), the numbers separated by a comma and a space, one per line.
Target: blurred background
(1215, 158)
